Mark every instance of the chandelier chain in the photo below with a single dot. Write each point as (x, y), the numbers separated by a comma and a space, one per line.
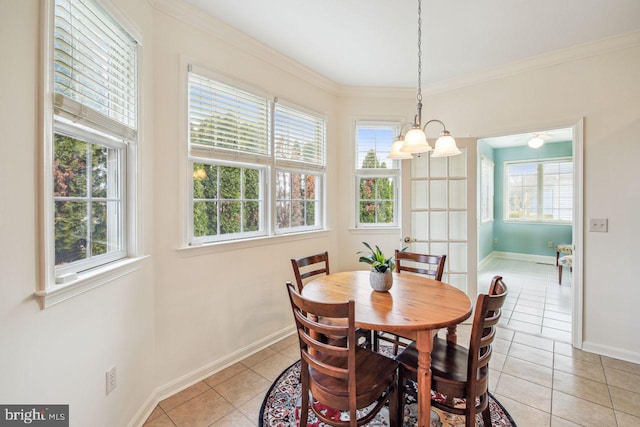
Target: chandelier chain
(419, 95)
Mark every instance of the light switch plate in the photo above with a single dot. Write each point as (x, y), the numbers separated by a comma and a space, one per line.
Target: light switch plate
(599, 225)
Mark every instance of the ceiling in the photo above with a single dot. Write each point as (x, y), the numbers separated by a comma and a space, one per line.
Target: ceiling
(374, 42)
(521, 139)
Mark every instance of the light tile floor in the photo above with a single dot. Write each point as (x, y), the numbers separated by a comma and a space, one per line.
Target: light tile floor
(536, 303)
(541, 382)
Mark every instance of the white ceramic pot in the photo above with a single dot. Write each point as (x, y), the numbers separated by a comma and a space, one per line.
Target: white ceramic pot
(380, 282)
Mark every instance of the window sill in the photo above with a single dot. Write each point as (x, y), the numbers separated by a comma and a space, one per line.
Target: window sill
(375, 230)
(86, 281)
(233, 245)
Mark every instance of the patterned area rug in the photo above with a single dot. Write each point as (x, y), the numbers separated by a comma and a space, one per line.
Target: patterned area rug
(281, 408)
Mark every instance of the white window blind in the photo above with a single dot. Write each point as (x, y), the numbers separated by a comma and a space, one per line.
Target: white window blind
(298, 137)
(225, 118)
(539, 191)
(94, 68)
(486, 189)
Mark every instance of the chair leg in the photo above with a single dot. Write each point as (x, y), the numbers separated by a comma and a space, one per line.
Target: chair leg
(559, 275)
(486, 416)
(557, 257)
(393, 406)
(402, 385)
(304, 408)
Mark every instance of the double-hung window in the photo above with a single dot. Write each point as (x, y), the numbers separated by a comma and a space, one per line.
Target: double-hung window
(256, 165)
(90, 141)
(377, 177)
(300, 166)
(540, 191)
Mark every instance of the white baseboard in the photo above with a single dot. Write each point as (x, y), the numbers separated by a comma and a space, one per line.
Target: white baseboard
(187, 380)
(486, 260)
(614, 352)
(543, 259)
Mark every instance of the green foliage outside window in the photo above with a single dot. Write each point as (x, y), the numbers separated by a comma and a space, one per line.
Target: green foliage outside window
(376, 194)
(81, 204)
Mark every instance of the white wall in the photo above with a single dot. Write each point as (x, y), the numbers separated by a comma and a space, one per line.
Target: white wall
(605, 90)
(213, 302)
(188, 312)
(60, 355)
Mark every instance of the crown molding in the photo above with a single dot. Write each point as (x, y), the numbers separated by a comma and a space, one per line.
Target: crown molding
(241, 41)
(561, 56)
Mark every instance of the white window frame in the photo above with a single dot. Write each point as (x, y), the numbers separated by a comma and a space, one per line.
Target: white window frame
(394, 172)
(58, 284)
(540, 195)
(487, 169)
(269, 164)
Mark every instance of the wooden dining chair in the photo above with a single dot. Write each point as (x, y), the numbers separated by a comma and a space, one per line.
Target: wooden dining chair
(411, 262)
(457, 372)
(317, 264)
(313, 265)
(338, 374)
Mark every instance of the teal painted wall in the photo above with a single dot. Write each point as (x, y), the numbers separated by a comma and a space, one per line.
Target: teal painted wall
(526, 238)
(485, 231)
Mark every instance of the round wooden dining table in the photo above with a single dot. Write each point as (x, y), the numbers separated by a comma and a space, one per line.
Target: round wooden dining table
(415, 307)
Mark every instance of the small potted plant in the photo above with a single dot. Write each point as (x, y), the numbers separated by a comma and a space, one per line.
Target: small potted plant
(380, 276)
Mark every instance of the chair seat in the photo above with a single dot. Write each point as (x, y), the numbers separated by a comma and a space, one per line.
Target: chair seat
(373, 373)
(566, 261)
(448, 361)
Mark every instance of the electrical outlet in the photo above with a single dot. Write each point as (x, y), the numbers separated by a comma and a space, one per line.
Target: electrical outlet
(550, 244)
(495, 240)
(111, 379)
(599, 224)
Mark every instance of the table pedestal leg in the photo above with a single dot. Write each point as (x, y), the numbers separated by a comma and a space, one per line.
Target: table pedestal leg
(424, 344)
(452, 337)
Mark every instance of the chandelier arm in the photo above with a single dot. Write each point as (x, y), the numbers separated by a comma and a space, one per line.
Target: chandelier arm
(424, 128)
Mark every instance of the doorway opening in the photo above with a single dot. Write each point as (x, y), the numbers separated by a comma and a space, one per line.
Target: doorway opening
(529, 198)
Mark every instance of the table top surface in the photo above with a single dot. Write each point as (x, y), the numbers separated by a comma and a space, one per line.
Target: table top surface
(413, 303)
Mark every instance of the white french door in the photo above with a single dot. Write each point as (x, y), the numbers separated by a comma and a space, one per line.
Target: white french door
(439, 212)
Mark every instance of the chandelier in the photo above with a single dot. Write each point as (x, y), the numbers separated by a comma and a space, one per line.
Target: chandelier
(415, 140)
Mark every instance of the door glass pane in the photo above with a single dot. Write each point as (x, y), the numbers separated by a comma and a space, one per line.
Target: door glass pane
(458, 194)
(438, 167)
(458, 225)
(458, 280)
(458, 257)
(440, 249)
(458, 164)
(438, 226)
(420, 221)
(438, 194)
(419, 195)
(420, 167)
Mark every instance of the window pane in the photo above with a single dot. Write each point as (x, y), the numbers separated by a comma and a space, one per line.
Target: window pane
(99, 233)
(367, 212)
(251, 214)
(99, 175)
(69, 167)
(205, 219)
(374, 145)
(205, 181)
(310, 211)
(70, 231)
(251, 184)
(230, 217)
(283, 214)
(297, 214)
(230, 183)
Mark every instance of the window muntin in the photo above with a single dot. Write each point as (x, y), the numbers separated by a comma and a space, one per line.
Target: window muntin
(540, 191)
(280, 144)
(94, 131)
(486, 189)
(297, 200)
(377, 177)
(227, 201)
